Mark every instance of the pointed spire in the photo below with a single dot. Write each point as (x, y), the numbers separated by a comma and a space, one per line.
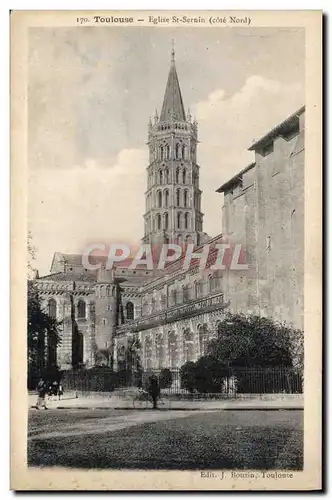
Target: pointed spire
(173, 52)
(173, 105)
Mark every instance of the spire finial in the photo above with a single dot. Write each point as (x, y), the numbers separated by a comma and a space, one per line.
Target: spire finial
(173, 51)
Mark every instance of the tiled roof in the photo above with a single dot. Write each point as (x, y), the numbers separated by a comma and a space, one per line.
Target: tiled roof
(272, 134)
(76, 259)
(87, 277)
(236, 179)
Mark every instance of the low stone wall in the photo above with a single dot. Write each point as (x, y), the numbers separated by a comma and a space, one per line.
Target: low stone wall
(124, 393)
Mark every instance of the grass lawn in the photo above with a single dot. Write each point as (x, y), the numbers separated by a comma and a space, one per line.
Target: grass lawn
(203, 440)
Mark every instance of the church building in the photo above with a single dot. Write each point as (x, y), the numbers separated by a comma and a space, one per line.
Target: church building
(175, 313)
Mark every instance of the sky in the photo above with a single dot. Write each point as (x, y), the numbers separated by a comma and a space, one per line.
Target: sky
(91, 92)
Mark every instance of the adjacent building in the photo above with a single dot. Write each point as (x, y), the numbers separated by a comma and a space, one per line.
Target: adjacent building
(264, 210)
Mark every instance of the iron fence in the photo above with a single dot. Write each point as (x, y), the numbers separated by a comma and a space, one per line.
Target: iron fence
(174, 382)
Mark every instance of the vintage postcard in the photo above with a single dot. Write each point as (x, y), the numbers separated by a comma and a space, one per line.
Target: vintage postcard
(166, 250)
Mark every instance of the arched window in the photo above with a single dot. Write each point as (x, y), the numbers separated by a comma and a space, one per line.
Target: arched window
(211, 283)
(161, 152)
(179, 295)
(145, 308)
(52, 308)
(200, 288)
(188, 345)
(196, 290)
(148, 352)
(160, 350)
(166, 220)
(173, 350)
(185, 293)
(173, 296)
(183, 151)
(177, 151)
(177, 174)
(184, 176)
(178, 197)
(166, 198)
(163, 302)
(160, 176)
(159, 199)
(81, 309)
(167, 152)
(158, 217)
(130, 310)
(167, 176)
(179, 220)
(203, 337)
(185, 198)
(186, 220)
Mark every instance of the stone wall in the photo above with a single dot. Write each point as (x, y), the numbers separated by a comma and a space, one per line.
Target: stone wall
(264, 211)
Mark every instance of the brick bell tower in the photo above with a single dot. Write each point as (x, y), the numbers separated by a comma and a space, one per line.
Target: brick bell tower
(173, 198)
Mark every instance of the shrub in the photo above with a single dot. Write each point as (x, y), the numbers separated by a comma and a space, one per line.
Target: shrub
(188, 376)
(165, 378)
(209, 374)
(137, 378)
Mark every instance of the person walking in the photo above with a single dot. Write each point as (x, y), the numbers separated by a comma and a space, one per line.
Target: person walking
(154, 390)
(60, 390)
(42, 390)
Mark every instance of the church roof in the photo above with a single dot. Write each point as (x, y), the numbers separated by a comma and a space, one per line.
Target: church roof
(173, 105)
(76, 259)
(236, 179)
(278, 130)
(86, 276)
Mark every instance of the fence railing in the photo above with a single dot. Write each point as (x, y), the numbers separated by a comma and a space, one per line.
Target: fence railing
(232, 382)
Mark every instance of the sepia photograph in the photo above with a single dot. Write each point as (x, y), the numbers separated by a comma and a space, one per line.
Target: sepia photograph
(165, 242)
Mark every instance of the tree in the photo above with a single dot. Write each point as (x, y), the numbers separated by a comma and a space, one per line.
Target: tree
(129, 364)
(133, 354)
(188, 376)
(31, 257)
(243, 347)
(42, 338)
(42, 331)
(254, 341)
(102, 357)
